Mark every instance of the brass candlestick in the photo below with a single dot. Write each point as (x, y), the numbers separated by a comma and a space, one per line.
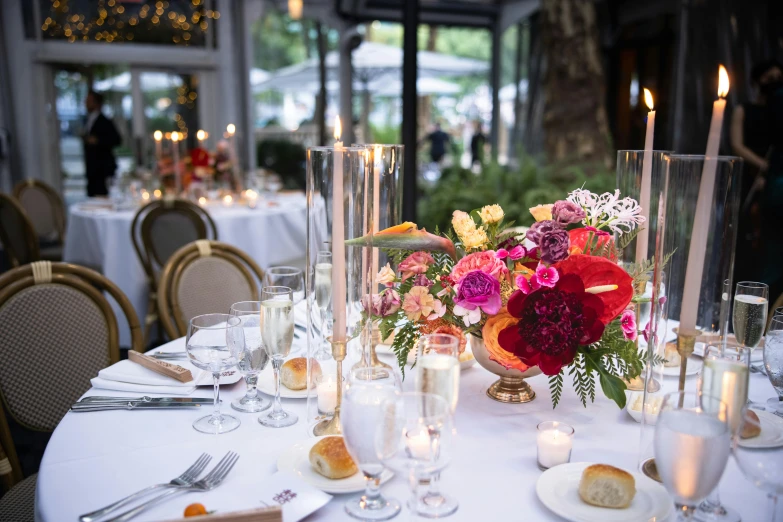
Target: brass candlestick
(374, 362)
(686, 340)
(332, 426)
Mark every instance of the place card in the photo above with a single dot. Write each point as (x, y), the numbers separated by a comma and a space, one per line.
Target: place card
(297, 498)
(162, 367)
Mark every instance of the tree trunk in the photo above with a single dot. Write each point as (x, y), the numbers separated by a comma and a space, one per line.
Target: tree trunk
(575, 122)
(425, 102)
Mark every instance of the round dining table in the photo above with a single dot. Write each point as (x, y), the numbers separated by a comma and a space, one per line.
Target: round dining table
(273, 233)
(96, 458)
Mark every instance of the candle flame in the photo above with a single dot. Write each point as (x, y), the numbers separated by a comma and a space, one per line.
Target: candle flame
(723, 82)
(202, 201)
(157, 193)
(201, 134)
(231, 129)
(157, 135)
(648, 99)
(338, 128)
(175, 136)
(228, 199)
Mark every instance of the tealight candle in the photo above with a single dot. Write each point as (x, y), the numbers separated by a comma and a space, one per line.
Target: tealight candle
(252, 198)
(326, 390)
(554, 443)
(157, 193)
(228, 200)
(202, 201)
(145, 195)
(418, 443)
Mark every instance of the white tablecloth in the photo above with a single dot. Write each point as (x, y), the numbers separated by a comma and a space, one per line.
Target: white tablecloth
(101, 239)
(96, 458)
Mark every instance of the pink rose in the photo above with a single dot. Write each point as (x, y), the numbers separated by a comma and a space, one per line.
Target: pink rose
(485, 261)
(416, 263)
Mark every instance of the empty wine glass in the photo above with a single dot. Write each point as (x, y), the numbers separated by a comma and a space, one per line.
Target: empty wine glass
(691, 448)
(277, 334)
(289, 276)
(253, 358)
(773, 361)
(323, 299)
(361, 415)
(763, 466)
(214, 343)
(415, 438)
(750, 313)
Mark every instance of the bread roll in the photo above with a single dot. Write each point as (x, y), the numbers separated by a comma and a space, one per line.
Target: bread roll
(750, 430)
(607, 486)
(293, 374)
(329, 458)
(671, 355)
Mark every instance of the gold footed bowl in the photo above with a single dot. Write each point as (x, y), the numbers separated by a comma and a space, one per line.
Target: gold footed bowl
(511, 387)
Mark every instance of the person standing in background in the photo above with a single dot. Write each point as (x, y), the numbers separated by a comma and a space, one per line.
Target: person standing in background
(477, 143)
(100, 137)
(439, 140)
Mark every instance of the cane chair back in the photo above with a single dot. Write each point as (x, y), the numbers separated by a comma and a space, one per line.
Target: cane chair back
(44, 207)
(17, 234)
(205, 277)
(60, 331)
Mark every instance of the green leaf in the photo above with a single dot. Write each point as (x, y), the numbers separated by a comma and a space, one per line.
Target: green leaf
(556, 388)
(626, 239)
(613, 387)
(475, 214)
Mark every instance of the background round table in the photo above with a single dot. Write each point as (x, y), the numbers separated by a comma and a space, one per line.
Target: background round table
(101, 239)
(96, 458)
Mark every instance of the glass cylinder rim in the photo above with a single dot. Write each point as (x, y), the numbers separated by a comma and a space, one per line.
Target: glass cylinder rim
(668, 152)
(385, 145)
(235, 307)
(776, 320)
(453, 339)
(283, 270)
(546, 425)
(702, 157)
(333, 148)
(228, 319)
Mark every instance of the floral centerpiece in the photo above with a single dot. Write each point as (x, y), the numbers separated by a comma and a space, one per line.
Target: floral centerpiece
(553, 297)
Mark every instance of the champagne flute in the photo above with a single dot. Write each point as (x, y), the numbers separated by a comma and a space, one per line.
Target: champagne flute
(361, 416)
(762, 466)
(214, 343)
(773, 361)
(253, 358)
(289, 276)
(725, 375)
(691, 448)
(415, 439)
(750, 313)
(323, 298)
(438, 372)
(277, 333)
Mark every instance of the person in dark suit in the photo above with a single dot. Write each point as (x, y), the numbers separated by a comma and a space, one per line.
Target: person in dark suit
(100, 137)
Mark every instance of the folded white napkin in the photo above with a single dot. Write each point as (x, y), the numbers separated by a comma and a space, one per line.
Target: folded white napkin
(128, 376)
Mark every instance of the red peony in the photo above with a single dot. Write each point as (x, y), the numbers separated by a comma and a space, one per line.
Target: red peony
(553, 323)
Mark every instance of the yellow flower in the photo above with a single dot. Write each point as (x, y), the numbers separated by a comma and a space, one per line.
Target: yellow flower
(491, 214)
(385, 275)
(463, 224)
(475, 239)
(542, 212)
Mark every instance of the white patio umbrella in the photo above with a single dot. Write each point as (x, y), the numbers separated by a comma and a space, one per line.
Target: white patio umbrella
(424, 87)
(152, 81)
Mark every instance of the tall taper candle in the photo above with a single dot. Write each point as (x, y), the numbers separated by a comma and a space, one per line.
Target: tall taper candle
(338, 240)
(643, 238)
(175, 151)
(701, 223)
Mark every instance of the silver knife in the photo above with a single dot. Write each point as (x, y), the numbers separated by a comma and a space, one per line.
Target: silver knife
(80, 407)
(147, 399)
(169, 355)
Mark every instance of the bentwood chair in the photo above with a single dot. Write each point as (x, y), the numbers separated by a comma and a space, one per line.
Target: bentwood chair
(158, 230)
(46, 211)
(17, 235)
(771, 312)
(58, 331)
(205, 277)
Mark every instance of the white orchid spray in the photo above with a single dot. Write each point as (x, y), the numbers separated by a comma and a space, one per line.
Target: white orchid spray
(608, 210)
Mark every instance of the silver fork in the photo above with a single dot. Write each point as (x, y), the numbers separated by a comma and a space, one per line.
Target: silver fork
(209, 482)
(186, 479)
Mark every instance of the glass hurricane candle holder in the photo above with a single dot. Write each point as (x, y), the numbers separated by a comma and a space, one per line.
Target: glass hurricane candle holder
(554, 442)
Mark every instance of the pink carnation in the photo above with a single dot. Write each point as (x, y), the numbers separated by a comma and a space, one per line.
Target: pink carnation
(416, 263)
(485, 261)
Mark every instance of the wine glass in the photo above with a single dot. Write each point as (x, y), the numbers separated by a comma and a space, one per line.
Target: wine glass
(773, 361)
(277, 334)
(762, 466)
(289, 276)
(323, 298)
(361, 414)
(691, 448)
(415, 438)
(214, 343)
(750, 313)
(725, 375)
(253, 358)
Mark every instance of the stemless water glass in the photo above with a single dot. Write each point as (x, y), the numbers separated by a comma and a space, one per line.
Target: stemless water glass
(361, 415)
(214, 343)
(437, 364)
(773, 361)
(763, 466)
(323, 299)
(750, 313)
(253, 358)
(288, 276)
(691, 448)
(277, 334)
(725, 376)
(416, 439)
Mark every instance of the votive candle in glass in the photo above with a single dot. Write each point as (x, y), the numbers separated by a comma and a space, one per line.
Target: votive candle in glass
(326, 390)
(554, 443)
